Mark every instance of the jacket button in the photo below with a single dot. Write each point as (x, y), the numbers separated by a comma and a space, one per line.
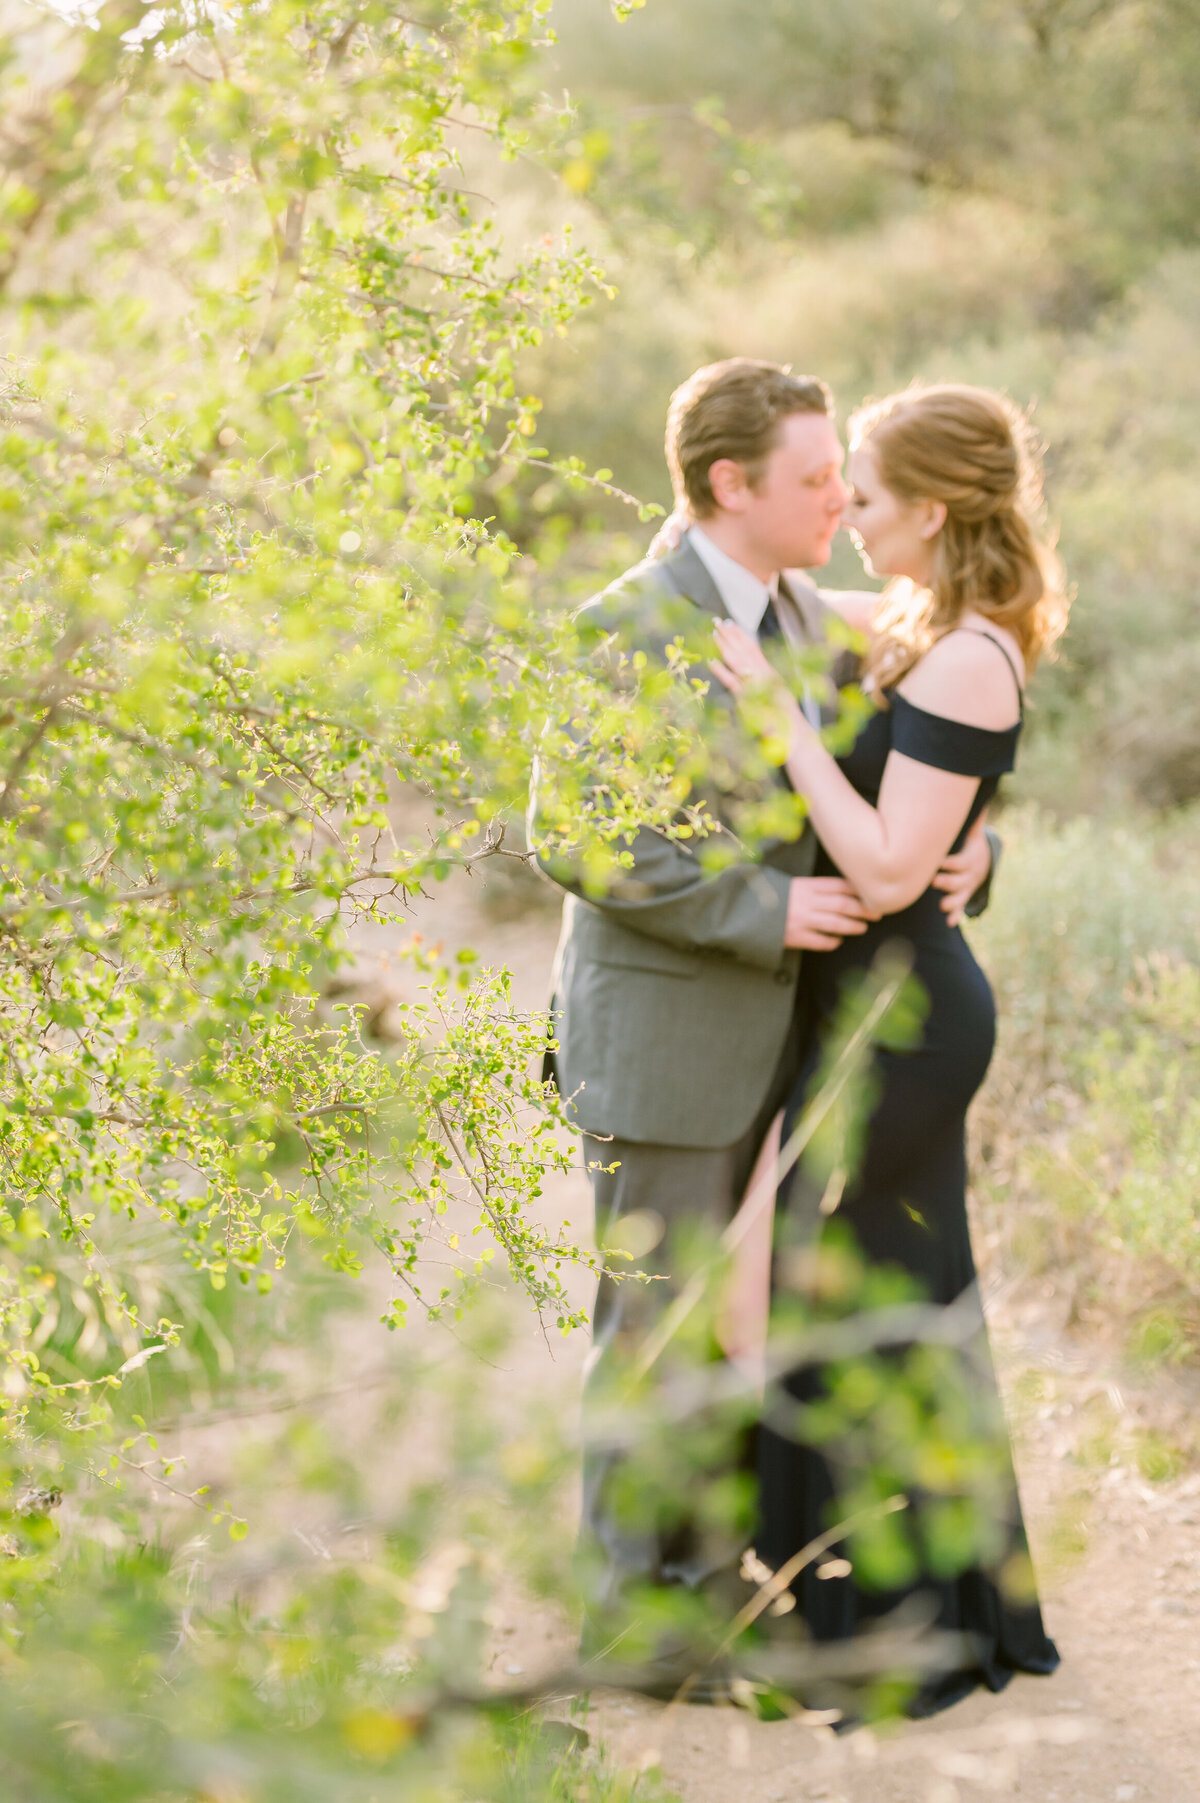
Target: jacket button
(783, 978)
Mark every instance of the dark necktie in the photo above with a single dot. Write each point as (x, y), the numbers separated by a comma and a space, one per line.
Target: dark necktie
(770, 626)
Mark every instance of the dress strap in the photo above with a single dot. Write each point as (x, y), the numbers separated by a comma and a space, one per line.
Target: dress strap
(981, 633)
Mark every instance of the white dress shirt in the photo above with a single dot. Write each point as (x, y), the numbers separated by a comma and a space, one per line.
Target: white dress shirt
(746, 596)
(744, 593)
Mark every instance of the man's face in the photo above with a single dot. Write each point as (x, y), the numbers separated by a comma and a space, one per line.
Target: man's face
(790, 518)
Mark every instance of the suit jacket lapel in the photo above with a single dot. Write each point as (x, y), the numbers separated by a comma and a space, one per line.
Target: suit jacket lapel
(801, 610)
(685, 572)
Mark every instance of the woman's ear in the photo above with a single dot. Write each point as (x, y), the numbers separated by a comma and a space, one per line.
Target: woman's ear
(934, 518)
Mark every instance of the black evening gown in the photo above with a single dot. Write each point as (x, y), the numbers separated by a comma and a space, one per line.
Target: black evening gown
(952, 1568)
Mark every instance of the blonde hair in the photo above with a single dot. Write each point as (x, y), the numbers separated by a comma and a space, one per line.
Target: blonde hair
(972, 450)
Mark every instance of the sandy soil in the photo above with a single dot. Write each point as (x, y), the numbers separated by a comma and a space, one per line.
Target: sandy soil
(1118, 1557)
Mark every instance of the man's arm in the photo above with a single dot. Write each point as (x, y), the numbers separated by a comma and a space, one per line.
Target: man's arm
(981, 896)
(746, 910)
(668, 895)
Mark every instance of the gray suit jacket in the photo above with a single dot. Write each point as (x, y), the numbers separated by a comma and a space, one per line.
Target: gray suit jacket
(673, 993)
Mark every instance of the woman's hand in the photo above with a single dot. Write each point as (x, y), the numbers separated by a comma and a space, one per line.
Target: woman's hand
(759, 690)
(745, 670)
(740, 659)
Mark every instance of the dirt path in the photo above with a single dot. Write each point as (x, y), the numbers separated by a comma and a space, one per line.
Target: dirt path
(1118, 1558)
(1120, 1569)
(1119, 1565)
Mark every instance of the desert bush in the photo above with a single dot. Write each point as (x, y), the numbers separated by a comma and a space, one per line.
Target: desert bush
(1138, 1146)
(260, 359)
(1081, 905)
(1089, 1128)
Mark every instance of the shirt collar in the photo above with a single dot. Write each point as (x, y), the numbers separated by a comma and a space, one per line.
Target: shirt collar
(740, 589)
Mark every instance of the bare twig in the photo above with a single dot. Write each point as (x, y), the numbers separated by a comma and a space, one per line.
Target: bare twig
(50, 695)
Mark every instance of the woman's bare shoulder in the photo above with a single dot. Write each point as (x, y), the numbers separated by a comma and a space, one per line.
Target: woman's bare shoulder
(967, 677)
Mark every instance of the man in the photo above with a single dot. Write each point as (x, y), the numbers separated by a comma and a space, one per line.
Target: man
(675, 989)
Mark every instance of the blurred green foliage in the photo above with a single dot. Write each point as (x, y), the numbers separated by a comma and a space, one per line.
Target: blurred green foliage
(295, 453)
(272, 665)
(342, 1646)
(269, 667)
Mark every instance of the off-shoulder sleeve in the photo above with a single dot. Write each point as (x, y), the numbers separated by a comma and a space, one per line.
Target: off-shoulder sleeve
(949, 744)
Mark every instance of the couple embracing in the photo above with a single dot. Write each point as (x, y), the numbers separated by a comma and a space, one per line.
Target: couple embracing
(695, 1004)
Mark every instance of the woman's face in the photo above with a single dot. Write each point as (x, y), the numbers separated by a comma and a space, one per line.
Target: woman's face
(893, 537)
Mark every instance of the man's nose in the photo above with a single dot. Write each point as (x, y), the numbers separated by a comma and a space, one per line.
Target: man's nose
(840, 495)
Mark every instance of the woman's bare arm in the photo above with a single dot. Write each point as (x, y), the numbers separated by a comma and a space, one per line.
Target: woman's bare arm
(890, 853)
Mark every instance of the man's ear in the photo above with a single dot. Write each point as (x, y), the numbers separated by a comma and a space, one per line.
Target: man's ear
(730, 488)
(934, 520)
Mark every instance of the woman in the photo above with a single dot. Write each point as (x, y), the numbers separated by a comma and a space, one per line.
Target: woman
(945, 493)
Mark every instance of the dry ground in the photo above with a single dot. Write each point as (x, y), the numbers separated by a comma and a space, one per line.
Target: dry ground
(1118, 1556)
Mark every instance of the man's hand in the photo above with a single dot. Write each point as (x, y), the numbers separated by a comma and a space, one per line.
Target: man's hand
(822, 911)
(961, 874)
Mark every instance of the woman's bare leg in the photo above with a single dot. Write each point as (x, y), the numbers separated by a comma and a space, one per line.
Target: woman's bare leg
(742, 1320)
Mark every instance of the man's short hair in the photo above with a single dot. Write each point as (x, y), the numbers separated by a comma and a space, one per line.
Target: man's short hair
(732, 409)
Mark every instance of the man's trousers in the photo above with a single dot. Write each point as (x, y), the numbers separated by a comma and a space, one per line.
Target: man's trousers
(651, 1466)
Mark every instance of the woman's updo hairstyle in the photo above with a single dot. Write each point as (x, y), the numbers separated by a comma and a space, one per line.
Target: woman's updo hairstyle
(972, 450)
